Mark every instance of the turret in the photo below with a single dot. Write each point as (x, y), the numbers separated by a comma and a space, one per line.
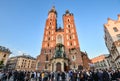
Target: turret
(52, 12)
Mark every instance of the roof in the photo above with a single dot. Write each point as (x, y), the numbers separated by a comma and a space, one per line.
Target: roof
(25, 56)
(4, 49)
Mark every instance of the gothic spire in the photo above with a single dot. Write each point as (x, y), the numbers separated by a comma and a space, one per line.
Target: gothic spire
(53, 10)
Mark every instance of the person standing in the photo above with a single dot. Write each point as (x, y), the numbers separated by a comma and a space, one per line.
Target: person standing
(32, 76)
(15, 75)
(105, 76)
(63, 76)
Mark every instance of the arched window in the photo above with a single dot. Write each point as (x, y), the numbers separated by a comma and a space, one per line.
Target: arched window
(48, 38)
(48, 44)
(50, 50)
(46, 57)
(68, 26)
(73, 57)
(59, 39)
(71, 43)
(68, 20)
(70, 37)
(49, 32)
(50, 19)
(50, 23)
(45, 66)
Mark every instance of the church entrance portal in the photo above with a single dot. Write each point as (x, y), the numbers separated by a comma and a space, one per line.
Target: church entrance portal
(58, 66)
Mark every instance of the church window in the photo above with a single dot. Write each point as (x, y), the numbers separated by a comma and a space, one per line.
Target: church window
(71, 43)
(68, 20)
(50, 50)
(70, 37)
(68, 26)
(45, 66)
(50, 19)
(115, 29)
(46, 57)
(49, 32)
(59, 39)
(73, 58)
(48, 44)
(48, 38)
(50, 23)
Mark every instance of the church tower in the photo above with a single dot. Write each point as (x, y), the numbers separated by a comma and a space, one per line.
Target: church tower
(60, 48)
(71, 40)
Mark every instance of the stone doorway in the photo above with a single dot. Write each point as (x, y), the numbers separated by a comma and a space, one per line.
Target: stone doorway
(65, 67)
(58, 66)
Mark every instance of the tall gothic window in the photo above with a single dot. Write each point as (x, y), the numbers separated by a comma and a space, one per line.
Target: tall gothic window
(48, 38)
(71, 43)
(50, 50)
(70, 37)
(48, 44)
(46, 57)
(50, 23)
(68, 26)
(45, 66)
(68, 20)
(49, 32)
(59, 39)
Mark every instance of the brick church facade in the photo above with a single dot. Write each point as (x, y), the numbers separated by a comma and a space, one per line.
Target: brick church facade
(60, 47)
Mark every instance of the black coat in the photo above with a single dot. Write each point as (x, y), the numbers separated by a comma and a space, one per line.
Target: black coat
(106, 76)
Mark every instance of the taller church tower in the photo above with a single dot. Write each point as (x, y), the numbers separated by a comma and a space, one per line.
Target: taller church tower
(60, 47)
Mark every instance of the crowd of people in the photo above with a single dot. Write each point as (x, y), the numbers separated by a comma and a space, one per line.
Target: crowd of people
(72, 75)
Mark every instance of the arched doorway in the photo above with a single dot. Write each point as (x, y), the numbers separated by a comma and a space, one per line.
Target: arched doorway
(58, 66)
(65, 67)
